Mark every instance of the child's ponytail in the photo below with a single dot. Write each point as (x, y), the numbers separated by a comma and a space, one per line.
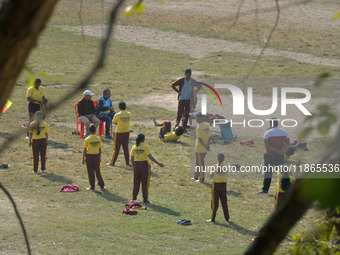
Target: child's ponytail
(140, 138)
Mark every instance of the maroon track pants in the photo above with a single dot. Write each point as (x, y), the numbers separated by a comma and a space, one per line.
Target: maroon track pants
(200, 162)
(141, 174)
(166, 127)
(93, 169)
(183, 110)
(120, 139)
(39, 148)
(219, 192)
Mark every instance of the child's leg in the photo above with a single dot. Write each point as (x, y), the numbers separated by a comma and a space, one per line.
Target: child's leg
(116, 147)
(136, 180)
(167, 127)
(202, 157)
(35, 150)
(43, 154)
(214, 200)
(125, 144)
(146, 181)
(223, 196)
(90, 170)
(96, 163)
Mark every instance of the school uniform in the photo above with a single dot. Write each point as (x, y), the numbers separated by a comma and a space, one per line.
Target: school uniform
(39, 145)
(203, 132)
(141, 170)
(219, 192)
(36, 94)
(165, 133)
(121, 136)
(92, 144)
(280, 194)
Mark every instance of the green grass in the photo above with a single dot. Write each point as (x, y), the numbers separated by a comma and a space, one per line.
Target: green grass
(321, 42)
(91, 222)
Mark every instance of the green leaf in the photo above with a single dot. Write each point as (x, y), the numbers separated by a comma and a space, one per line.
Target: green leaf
(30, 80)
(336, 16)
(323, 127)
(322, 189)
(321, 78)
(138, 8)
(128, 11)
(305, 132)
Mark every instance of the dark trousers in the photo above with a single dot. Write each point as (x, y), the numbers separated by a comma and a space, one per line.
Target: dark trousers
(141, 174)
(93, 169)
(166, 127)
(107, 117)
(219, 192)
(120, 139)
(200, 162)
(271, 161)
(183, 110)
(39, 148)
(279, 197)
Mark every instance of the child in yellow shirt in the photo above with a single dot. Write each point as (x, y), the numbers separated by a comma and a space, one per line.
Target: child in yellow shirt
(38, 140)
(92, 157)
(219, 190)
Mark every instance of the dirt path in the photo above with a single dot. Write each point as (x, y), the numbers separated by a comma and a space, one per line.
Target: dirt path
(194, 46)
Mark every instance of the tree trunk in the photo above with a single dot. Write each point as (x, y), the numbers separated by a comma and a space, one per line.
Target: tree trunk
(21, 22)
(279, 224)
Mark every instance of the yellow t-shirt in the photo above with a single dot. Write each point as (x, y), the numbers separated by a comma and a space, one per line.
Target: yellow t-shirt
(43, 128)
(170, 136)
(203, 132)
(141, 152)
(36, 94)
(92, 144)
(219, 177)
(122, 120)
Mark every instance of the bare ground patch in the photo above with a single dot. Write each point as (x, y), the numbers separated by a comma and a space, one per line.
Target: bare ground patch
(196, 47)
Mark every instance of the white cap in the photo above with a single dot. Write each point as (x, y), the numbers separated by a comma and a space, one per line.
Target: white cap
(88, 92)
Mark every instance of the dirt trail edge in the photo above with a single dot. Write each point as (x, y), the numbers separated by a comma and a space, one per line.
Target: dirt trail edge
(196, 47)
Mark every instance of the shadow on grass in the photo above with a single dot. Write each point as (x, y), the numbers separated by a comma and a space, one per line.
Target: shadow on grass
(111, 197)
(242, 230)
(182, 143)
(4, 135)
(162, 209)
(234, 193)
(56, 178)
(57, 145)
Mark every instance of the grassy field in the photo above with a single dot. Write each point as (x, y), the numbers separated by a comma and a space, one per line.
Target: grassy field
(92, 222)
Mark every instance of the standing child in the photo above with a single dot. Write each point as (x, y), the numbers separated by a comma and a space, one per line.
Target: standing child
(92, 157)
(122, 133)
(165, 133)
(203, 140)
(38, 140)
(140, 155)
(284, 181)
(219, 190)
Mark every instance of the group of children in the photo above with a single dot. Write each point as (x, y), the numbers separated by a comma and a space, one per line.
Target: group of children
(141, 155)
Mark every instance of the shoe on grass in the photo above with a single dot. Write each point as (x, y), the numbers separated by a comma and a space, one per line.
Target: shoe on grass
(155, 122)
(211, 220)
(229, 220)
(109, 164)
(43, 171)
(262, 192)
(89, 189)
(103, 188)
(108, 136)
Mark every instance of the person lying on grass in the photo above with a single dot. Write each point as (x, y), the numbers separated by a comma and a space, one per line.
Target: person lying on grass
(165, 133)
